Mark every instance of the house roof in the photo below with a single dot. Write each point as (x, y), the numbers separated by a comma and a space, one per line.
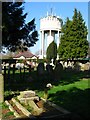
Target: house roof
(26, 54)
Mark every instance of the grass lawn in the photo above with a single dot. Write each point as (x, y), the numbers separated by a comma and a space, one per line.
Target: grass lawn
(73, 97)
(71, 92)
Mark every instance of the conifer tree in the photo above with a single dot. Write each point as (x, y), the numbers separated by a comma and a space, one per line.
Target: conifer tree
(64, 47)
(51, 52)
(16, 34)
(89, 51)
(74, 42)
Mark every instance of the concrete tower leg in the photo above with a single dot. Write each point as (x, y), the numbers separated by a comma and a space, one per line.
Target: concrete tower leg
(50, 33)
(42, 35)
(41, 41)
(58, 38)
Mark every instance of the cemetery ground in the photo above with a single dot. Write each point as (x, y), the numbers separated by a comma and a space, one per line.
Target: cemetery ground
(70, 92)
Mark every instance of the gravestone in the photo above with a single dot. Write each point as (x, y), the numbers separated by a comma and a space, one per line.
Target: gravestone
(26, 96)
(58, 71)
(49, 69)
(40, 69)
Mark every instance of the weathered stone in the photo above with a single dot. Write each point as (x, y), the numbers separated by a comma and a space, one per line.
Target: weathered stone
(81, 66)
(36, 110)
(58, 71)
(12, 109)
(26, 100)
(49, 69)
(85, 67)
(40, 68)
(26, 94)
(23, 109)
(77, 66)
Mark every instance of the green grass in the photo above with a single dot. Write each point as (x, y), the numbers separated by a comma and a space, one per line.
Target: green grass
(74, 97)
(5, 107)
(82, 84)
(8, 114)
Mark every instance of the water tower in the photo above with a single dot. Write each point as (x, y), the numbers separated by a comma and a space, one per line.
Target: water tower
(50, 29)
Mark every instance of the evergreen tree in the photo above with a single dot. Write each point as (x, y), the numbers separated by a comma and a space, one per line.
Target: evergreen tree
(83, 44)
(64, 47)
(51, 52)
(89, 51)
(15, 33)
(74, 42)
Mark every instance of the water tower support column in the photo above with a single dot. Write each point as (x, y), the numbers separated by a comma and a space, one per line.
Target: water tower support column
(50, 33)
(42, 43)
(58, 38)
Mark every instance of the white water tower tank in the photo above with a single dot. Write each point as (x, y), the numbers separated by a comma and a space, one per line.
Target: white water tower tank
(50, 28)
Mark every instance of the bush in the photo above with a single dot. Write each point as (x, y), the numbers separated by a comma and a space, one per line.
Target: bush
(9, 94)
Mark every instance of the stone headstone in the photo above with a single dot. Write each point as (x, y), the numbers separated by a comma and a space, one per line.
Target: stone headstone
(29, 93)
(40, 68)
(49, 68)
(26, 96)
(58, 71)
(86, 66)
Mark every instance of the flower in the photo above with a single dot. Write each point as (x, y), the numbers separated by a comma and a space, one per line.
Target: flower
(49, 85)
